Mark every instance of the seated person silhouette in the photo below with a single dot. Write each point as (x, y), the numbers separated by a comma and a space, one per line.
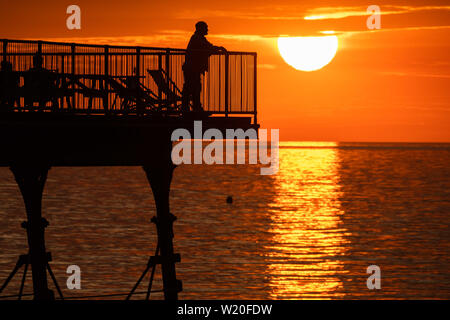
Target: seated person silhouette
(40, 84)
(196, 63)
(9, 86)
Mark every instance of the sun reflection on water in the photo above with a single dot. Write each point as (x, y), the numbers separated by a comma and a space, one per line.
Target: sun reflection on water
(308, 244)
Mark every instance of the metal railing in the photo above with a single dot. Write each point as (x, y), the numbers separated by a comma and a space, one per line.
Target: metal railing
(101, 79)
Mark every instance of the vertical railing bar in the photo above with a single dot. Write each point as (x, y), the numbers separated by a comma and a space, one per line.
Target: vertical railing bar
(167, 67)
(248, 83)
(206, 85)
(219, 82)
(255, 109)
(160, 69)
(39, 50)
(5, 48)
(226, 83)
(62, 79)
(105, 84)
(247, 89)
(138, 79)
(242, 79)
(73, 74)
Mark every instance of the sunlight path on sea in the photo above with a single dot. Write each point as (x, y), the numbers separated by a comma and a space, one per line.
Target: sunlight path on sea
(307, 235)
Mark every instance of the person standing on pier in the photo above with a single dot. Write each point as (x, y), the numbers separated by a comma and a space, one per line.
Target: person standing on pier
(196, 64)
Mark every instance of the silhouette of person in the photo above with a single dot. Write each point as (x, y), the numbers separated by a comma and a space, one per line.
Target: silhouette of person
(196, 63)
(9, 85)
(40, 84)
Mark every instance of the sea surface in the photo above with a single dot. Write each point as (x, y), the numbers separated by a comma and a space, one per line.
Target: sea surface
(308, 232)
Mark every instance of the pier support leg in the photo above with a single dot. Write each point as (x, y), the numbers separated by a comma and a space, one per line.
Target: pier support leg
(31, 181)
(160, 178)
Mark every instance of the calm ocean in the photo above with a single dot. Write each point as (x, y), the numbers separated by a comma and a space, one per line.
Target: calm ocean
(310, 231)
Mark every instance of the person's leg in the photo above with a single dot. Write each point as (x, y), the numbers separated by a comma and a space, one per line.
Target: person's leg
(187, 91)
(197, 87)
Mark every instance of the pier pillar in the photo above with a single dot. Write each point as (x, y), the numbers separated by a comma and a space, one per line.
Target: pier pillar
(160, 178)
(31, 181)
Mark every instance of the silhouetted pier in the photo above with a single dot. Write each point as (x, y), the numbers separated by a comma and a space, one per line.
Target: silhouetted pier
(91, 105)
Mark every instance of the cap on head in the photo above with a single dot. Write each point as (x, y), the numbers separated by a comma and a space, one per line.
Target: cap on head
(201, 26)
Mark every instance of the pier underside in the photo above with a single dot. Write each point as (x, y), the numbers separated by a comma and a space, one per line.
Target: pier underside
(32, 143)
(96, 140)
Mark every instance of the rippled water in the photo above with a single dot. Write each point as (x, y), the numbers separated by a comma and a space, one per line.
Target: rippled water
(309, 231)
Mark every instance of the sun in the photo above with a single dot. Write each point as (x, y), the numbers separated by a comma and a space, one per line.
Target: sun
(308, 53)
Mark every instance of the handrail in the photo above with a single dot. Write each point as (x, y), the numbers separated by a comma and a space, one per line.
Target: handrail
(112, 46)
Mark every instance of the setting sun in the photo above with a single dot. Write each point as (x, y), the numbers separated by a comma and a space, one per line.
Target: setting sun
(308, 53)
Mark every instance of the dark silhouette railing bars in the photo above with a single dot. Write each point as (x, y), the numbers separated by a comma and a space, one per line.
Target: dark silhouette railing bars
(125, 80)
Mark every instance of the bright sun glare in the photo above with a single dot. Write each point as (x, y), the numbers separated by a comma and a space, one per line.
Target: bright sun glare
(308, 53)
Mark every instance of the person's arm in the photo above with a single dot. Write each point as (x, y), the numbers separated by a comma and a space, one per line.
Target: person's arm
(213, 48)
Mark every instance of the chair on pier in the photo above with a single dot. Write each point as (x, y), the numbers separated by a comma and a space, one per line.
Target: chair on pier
(134, 95)
(86, 85)
(173, 95)
(123, 94)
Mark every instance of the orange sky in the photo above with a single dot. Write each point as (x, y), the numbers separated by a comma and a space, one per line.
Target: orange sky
(386, 85)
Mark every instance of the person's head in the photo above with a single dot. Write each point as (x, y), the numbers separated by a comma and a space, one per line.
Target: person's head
(201, 27)
(37, 60)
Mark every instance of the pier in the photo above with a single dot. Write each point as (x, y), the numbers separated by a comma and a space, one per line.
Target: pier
(93, 105)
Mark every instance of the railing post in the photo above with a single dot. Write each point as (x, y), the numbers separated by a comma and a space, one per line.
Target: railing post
(62, 82)
(242, 82)
(138, 61)
(255, 109)
(227, 76)
(105, 83)
(62, 63)
(167, 69)
(5, 48)
(73, 58)
(138, 80)
(160, 69)
(73, 75)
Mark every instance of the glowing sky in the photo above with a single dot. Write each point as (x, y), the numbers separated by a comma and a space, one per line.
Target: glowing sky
(386, 85)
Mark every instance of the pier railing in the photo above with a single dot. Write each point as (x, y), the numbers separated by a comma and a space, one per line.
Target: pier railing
(98, 79)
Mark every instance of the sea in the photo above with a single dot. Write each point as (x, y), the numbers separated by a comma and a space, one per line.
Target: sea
(311, 231)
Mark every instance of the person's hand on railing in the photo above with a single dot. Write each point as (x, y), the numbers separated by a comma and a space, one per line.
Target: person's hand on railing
(220, 49)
